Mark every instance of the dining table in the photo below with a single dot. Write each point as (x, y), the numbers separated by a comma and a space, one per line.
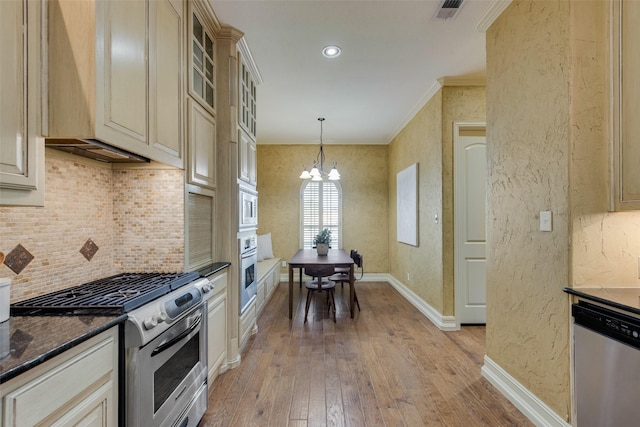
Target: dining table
(310, 258)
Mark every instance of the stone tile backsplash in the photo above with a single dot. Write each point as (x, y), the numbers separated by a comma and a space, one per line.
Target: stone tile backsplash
(148, 216)
(134, 217)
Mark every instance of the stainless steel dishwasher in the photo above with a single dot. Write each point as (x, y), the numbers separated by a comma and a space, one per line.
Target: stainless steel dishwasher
(607, 367)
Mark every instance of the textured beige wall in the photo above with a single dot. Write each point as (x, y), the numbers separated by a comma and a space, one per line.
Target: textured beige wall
(420, 141)
(363, 170)
(606, 245)
(528, 120)
(428, 140)
(134, 217)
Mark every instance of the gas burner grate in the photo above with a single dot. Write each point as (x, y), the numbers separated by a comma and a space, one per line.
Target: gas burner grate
(116, 294)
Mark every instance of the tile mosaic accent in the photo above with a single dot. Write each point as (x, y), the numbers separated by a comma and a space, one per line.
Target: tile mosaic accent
(89, 249)
(18, 259)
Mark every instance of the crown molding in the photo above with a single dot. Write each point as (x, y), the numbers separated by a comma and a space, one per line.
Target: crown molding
(462, 81)
(421, 103)
(208, 14)
(230, 33)
(247, 58)
(491, 14)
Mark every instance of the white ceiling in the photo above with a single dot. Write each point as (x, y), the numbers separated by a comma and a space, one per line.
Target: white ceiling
(393, 53)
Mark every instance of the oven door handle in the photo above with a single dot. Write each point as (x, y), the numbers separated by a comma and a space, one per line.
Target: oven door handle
(248, 254)
(165, 345)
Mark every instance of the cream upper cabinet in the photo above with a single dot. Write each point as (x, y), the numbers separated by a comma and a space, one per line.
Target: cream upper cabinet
(21, 144)
(247, 158)
(202, 74)
(247, 109)
(166, 75)
(202, 146)
(247, 96)
(202, 99)
(626, 106)
(116, 73)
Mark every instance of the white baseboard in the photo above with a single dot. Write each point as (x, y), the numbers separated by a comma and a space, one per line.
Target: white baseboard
(444, 323)
(532, 407)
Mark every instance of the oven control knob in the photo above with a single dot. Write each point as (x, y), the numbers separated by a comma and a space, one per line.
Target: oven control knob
(162, 317)
(206, 288)
(150, 323)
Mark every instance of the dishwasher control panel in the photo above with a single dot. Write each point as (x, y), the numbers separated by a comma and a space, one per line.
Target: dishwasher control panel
(608, 322)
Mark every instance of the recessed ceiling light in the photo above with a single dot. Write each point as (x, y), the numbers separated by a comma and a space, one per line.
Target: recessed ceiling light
(331, 51)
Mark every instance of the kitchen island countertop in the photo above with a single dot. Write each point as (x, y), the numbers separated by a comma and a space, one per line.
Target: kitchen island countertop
(32, 340)
(622, 298)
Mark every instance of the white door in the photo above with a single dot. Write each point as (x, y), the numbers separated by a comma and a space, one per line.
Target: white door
(470, 181)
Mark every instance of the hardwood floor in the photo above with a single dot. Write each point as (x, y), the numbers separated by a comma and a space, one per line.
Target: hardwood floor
(390, 366)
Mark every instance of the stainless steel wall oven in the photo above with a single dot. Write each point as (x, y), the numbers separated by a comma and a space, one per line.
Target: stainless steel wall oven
(248, 209)
(248, 271)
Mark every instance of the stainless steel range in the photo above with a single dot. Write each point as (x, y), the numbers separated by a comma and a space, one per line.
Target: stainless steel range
(165, 339)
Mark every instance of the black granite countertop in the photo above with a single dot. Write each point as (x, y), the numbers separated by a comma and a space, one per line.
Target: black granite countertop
(27, 341)
(213, 268)
(627, 299)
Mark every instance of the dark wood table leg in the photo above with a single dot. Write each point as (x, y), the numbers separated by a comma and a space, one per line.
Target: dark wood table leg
(290, 292)
(352, 291)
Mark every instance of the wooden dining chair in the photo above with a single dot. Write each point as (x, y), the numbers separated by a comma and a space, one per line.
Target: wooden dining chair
(345, 270)
(320, 283)
(342, 275)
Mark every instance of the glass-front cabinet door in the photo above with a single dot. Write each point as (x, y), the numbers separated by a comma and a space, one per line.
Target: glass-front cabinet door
(247, 99)
(202, 85)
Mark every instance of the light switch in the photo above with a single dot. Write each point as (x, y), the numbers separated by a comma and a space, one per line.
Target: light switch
(546, 221)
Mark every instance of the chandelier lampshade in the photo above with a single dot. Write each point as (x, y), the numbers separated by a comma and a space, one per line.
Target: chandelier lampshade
(317, 172)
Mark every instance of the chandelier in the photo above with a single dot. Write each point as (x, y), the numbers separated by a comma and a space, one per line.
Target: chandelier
(317, 172)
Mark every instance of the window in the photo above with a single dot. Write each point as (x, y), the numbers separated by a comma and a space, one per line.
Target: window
(320, 207)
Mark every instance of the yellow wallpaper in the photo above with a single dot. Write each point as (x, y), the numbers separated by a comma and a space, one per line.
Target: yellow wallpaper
(528, 125)
(428, 139)
(363, 170)
(420, 267)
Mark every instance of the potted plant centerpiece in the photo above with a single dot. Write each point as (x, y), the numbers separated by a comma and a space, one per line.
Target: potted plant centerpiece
(322, 241)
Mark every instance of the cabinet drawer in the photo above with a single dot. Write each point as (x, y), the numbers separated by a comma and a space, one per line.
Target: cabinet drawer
(219, 284)
(51, 391)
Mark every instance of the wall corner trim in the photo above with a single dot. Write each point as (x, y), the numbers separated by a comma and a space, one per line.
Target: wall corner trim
(528, 403)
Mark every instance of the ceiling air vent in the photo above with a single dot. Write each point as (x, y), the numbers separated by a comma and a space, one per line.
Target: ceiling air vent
(448, 9)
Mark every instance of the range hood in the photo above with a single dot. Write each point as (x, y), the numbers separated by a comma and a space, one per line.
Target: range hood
(97, 150)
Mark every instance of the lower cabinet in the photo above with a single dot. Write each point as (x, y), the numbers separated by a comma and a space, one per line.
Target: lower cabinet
(268, 280)
(217, 328)
(247, 324)
(76, 388)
